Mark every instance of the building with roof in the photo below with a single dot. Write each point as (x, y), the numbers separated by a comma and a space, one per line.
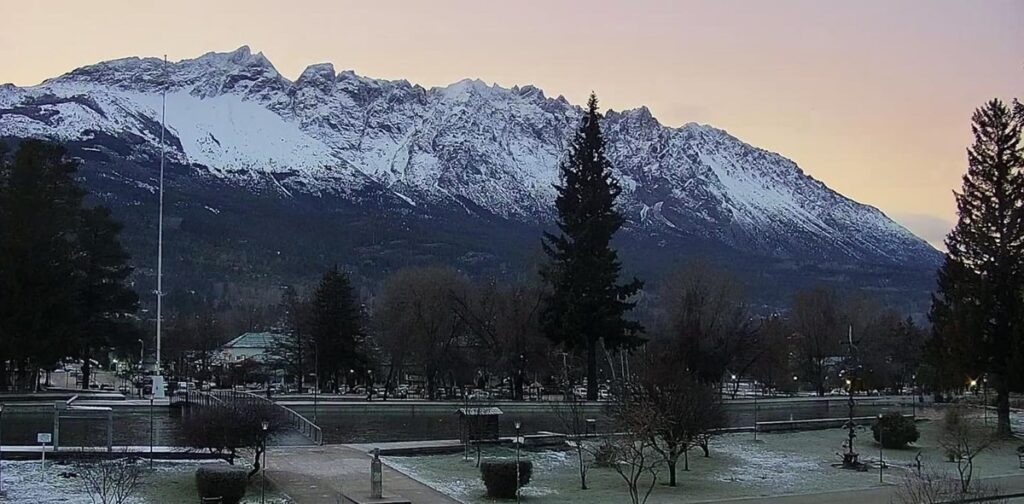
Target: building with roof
(255, 346)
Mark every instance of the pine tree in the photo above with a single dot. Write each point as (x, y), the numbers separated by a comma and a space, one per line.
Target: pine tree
(39, 206)
(63, 272)
(977, 313)
(586, 305)
(336, 327)
(105, 302)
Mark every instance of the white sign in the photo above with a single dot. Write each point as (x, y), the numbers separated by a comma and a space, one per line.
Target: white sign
(44, 438)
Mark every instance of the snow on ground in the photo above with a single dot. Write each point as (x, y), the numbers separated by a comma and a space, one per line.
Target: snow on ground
(777, 463)
(24, 482)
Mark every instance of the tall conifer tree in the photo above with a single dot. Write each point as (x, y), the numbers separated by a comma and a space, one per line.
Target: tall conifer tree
(336, 327)
(39, 207)
(977, 313)
(63, 272)
(587, 305)
(105, 302)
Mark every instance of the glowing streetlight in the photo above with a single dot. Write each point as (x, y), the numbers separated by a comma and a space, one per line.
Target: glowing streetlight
(263, 483)
(518, 425)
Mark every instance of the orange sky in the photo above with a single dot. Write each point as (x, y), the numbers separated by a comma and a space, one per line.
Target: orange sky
(872, 97)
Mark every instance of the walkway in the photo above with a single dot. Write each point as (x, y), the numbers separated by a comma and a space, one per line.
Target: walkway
(1007, 485)
(321, 474)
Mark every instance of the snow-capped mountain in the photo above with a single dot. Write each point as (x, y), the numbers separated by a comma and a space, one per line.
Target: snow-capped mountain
(481, 150)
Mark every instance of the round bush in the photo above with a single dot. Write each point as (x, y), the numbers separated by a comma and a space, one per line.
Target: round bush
(500, 477)
(897, 431)
(226, 482)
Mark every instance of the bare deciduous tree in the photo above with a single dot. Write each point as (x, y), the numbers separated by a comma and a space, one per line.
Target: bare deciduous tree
(573, 418)
(636, 459)
(937, 488)
(504, 325)
(110, 481)
(817, 324)
(963, 438)
(707, 319)
(684, 412)
(419, 321)
(232, 427)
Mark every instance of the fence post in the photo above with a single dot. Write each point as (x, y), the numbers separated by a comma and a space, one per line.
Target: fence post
(110, 430)
(56, 427)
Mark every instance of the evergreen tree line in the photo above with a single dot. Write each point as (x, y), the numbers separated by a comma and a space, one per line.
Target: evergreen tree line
(63, 273)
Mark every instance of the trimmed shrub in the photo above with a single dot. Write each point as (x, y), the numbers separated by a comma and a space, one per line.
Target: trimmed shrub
(226, 482)
(897, 431)
(500, 477)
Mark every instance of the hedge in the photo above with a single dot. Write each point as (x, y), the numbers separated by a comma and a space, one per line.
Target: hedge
(500, 477)
(226, 482)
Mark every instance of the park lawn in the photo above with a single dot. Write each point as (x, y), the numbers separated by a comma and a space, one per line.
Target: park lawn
(778, 463)
(177, 483)
(168, 482)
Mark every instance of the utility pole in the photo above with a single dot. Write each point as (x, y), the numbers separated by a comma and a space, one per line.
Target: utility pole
(158, 384)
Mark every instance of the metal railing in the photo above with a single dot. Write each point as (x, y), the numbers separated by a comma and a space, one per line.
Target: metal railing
(221, 397)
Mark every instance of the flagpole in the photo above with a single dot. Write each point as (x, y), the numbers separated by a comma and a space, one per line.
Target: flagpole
(160, 237)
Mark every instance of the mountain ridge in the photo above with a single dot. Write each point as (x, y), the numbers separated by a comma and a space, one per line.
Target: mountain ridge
(482, 150)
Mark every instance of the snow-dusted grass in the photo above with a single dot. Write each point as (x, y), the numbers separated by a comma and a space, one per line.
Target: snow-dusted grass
(780, 463)
(168, 482)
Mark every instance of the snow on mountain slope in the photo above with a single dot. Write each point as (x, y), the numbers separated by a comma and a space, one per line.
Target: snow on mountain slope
(468, 146)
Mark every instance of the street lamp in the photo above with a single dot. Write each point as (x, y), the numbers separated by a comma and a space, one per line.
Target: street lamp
(518, 425)
(881, 432)
(263, 483)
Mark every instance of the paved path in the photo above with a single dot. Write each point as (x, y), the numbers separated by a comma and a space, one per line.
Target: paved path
(321, 474)
(1007, 485)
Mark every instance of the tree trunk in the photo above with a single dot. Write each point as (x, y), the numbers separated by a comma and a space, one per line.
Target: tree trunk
(592, 370)
(1002, 408)
(671, 473)
(686, 459)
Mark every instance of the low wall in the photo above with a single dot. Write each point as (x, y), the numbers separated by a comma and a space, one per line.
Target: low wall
(816, 424)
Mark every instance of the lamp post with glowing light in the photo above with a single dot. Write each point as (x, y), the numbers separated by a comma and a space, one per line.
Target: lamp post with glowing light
(263, 468)
(518, 425)
(881, 432)
(850, 458)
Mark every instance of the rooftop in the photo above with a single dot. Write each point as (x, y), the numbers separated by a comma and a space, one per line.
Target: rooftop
(254, 340)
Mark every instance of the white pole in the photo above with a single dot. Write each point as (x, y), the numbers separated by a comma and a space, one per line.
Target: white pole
(160, 222)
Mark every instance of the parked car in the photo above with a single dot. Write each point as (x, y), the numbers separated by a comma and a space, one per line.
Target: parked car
(479, 395)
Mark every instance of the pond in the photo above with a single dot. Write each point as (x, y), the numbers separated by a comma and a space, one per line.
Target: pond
(359, 423)
(131, 426)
